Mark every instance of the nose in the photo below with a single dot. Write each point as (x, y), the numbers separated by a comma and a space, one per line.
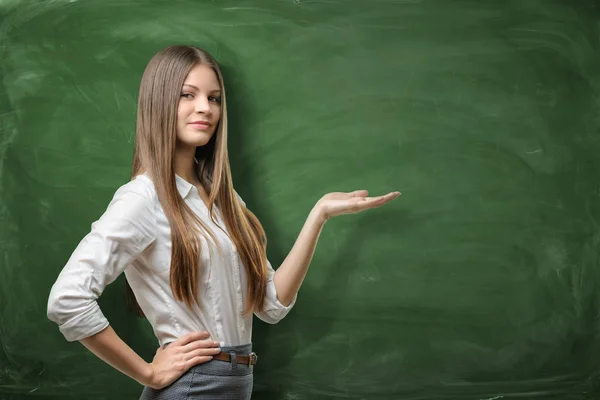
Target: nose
(202, 105)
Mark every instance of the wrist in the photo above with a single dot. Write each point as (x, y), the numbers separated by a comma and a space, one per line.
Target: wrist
(318, 214)
(147, 376)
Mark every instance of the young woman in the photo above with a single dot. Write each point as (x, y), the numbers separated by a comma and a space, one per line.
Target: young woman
(193, 255)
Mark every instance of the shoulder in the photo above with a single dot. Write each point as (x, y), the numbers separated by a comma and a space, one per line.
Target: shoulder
(130, 215)
(139, 187)
(135, 198)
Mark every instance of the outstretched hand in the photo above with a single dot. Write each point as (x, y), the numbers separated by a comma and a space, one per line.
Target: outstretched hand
(339, 203)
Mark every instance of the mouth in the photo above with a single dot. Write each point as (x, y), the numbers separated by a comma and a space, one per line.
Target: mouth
(201, 124)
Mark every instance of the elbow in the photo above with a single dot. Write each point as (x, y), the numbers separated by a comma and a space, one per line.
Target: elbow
(269, 319)
(64, 304)
(76, 317)
(274, 315)
(55, 307)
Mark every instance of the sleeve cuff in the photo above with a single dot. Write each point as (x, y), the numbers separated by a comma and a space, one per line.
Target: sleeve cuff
(85, 325)
(274, 311)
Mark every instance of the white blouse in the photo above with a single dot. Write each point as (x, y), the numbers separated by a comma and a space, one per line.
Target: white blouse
(133, 236)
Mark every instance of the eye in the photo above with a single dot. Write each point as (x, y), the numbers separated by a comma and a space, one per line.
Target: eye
(186, 95)
(215, 99)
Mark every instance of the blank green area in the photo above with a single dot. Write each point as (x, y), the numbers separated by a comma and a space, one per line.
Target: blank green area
(479, 282)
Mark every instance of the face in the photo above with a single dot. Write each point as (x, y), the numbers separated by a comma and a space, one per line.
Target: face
(199, 109)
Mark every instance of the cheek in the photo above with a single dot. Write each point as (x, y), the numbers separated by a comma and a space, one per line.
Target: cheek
(180, 116)
(183, 110)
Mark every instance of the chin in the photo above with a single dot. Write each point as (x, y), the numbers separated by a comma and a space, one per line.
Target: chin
(197, 140)
(200, 144)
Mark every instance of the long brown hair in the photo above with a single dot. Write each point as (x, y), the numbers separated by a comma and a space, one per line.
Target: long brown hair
(155, 141)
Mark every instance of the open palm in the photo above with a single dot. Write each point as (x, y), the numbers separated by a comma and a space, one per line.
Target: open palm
(338, 203)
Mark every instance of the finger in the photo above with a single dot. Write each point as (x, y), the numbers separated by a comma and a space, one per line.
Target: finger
(359, 193)
(197, 360)
(386, 197)
(200, 344)
(381, 200)
(203, 353)
(393, 195)
(371, 202)
(191, 337)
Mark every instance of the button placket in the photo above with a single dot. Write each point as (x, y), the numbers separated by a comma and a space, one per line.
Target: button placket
(238, 290)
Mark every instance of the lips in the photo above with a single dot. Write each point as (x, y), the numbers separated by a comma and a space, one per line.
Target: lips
(201, 124)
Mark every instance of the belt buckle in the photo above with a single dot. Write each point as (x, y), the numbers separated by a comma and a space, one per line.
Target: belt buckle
(252, 358)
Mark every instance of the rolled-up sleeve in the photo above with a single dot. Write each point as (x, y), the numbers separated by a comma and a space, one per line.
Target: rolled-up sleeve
(121, 234)
(273, 310)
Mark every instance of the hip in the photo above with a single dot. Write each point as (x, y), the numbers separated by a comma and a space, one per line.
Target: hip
(215, 379)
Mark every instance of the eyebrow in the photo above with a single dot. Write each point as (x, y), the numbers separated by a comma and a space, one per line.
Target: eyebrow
(195, 87)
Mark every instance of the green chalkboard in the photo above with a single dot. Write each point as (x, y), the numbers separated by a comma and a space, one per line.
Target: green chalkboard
(482, 281)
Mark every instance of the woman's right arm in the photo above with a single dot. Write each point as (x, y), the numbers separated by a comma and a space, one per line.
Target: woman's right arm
(168, 364)
(121, 234)
(116, 239)
(112, 350)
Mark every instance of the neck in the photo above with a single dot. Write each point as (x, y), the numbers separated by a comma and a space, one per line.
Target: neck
(185, 166)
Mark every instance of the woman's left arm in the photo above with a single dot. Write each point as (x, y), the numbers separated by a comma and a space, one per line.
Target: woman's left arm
(289, 276)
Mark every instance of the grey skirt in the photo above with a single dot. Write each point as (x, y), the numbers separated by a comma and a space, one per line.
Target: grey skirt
(215, 379)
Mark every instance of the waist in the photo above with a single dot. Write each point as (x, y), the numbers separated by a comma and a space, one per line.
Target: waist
(233, 367)
(227, 332)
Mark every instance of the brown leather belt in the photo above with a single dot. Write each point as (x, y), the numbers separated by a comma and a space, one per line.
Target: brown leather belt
(248, 360)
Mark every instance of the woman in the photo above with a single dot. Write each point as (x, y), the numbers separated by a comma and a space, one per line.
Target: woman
(193, 255)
